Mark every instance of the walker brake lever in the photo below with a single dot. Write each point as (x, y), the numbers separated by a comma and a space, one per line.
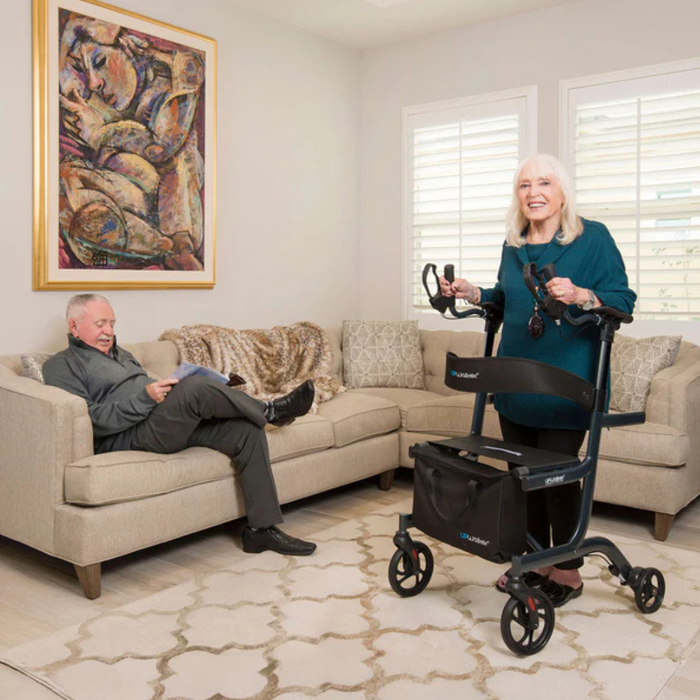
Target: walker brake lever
(554, 308)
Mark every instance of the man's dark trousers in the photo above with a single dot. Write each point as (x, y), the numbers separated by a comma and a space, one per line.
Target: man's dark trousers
(201, 412)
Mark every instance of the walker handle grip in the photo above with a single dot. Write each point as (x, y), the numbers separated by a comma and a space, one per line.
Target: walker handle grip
(549, 271)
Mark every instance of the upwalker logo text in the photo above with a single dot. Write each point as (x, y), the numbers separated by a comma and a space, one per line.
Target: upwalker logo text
(474, 539)
(464, 375)
(553, 480)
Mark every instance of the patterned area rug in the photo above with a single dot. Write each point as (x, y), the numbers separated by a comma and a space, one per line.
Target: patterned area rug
(330, 627)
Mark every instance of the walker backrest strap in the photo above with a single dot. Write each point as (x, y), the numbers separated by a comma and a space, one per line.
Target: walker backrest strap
(513, 375)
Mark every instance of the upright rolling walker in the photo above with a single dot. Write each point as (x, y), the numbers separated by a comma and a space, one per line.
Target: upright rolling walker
(482, 510)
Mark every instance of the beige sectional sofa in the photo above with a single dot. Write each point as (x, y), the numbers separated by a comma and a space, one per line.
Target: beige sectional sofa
(60, 498)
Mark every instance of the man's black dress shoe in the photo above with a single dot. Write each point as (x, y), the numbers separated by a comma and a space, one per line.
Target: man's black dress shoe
(272, 538)
(296, 403)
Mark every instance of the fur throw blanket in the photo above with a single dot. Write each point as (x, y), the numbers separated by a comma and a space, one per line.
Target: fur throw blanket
(273, 362)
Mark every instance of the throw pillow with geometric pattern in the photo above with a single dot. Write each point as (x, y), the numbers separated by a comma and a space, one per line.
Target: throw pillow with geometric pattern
(633, 364)
(33, 365)
(382, 353)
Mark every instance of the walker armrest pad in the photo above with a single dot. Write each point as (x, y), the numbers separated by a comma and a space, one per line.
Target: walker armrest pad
(612, 420)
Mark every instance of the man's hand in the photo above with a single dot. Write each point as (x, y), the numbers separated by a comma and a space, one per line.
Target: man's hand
(160, 389)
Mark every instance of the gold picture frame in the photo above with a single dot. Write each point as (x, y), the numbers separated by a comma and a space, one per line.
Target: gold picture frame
(124, 150)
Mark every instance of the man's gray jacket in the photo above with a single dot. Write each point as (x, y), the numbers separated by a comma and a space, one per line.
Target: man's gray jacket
(114, 387)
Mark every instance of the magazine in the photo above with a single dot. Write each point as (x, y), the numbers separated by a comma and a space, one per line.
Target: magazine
(185, 369)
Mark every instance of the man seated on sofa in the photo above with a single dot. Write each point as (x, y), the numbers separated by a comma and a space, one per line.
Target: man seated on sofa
(131, 411)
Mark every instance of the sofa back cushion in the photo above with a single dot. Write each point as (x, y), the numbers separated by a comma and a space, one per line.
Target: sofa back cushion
(436, 345)
(158, 357)
(335, 336)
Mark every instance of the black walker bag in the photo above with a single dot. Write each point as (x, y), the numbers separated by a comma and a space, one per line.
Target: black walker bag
(472, 506)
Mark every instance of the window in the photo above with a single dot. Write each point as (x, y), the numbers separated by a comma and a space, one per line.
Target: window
(632, 142)
(460, 158)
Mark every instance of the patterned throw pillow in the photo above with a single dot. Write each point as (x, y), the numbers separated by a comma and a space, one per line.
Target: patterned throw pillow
(633, 364)
(33, 365)
(382, 353)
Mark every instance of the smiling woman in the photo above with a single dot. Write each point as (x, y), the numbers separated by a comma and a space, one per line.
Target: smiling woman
(544, 202)
(543, 229)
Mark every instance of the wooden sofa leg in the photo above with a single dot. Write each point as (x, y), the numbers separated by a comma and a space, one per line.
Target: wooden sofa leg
(90, 578)
(662, 525)
(386, 479)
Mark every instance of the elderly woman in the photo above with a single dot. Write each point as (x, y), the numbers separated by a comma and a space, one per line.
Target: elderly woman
(543, 228)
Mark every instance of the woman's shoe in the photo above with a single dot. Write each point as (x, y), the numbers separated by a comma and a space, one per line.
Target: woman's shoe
(560, 593)
(531, 579)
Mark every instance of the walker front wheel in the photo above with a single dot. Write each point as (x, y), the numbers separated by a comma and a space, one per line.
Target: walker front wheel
(650, 590)
(519, 633)
(410, 574)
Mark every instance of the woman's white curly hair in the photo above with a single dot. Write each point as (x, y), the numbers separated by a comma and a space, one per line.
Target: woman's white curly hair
(541, 165)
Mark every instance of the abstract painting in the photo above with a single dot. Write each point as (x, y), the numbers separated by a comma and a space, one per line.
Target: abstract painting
(124, 145)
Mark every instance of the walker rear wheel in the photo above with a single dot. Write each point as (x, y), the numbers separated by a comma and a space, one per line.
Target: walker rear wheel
(518, 632)
(650, 590)
(409, 575)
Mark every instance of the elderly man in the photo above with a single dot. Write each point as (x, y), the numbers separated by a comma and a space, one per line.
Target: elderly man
(131, 411)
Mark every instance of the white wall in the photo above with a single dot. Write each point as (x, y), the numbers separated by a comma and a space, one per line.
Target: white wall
(287, 183)
(301, 122)
(539, 48)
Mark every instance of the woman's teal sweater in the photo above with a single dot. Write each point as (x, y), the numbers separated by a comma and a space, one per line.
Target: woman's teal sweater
(593, 262)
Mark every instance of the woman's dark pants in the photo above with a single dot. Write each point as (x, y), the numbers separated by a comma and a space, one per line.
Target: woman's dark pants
(552, 513)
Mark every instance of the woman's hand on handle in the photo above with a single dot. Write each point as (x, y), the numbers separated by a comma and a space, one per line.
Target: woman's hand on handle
(461, 289)
(564, 290)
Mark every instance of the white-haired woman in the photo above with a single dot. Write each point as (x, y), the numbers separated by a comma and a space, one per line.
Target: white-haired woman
(543, 227)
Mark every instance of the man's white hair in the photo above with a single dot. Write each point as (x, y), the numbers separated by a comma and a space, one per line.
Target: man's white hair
(76, 305)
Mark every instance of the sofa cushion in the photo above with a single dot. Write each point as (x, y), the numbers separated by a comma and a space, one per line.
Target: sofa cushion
(403, 398)
(650, 443)
(116, 477)
(382, 353)
(357, 416)
(633, 364)
(311, 433)
(450, 416)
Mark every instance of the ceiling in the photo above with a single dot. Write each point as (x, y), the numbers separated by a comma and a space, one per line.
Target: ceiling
(364, 24)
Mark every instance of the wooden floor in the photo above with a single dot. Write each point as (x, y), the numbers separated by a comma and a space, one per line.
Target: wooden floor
(40, 595)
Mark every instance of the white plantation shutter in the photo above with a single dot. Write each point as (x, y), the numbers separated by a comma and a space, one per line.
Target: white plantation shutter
(460, 161)
(634, 151)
